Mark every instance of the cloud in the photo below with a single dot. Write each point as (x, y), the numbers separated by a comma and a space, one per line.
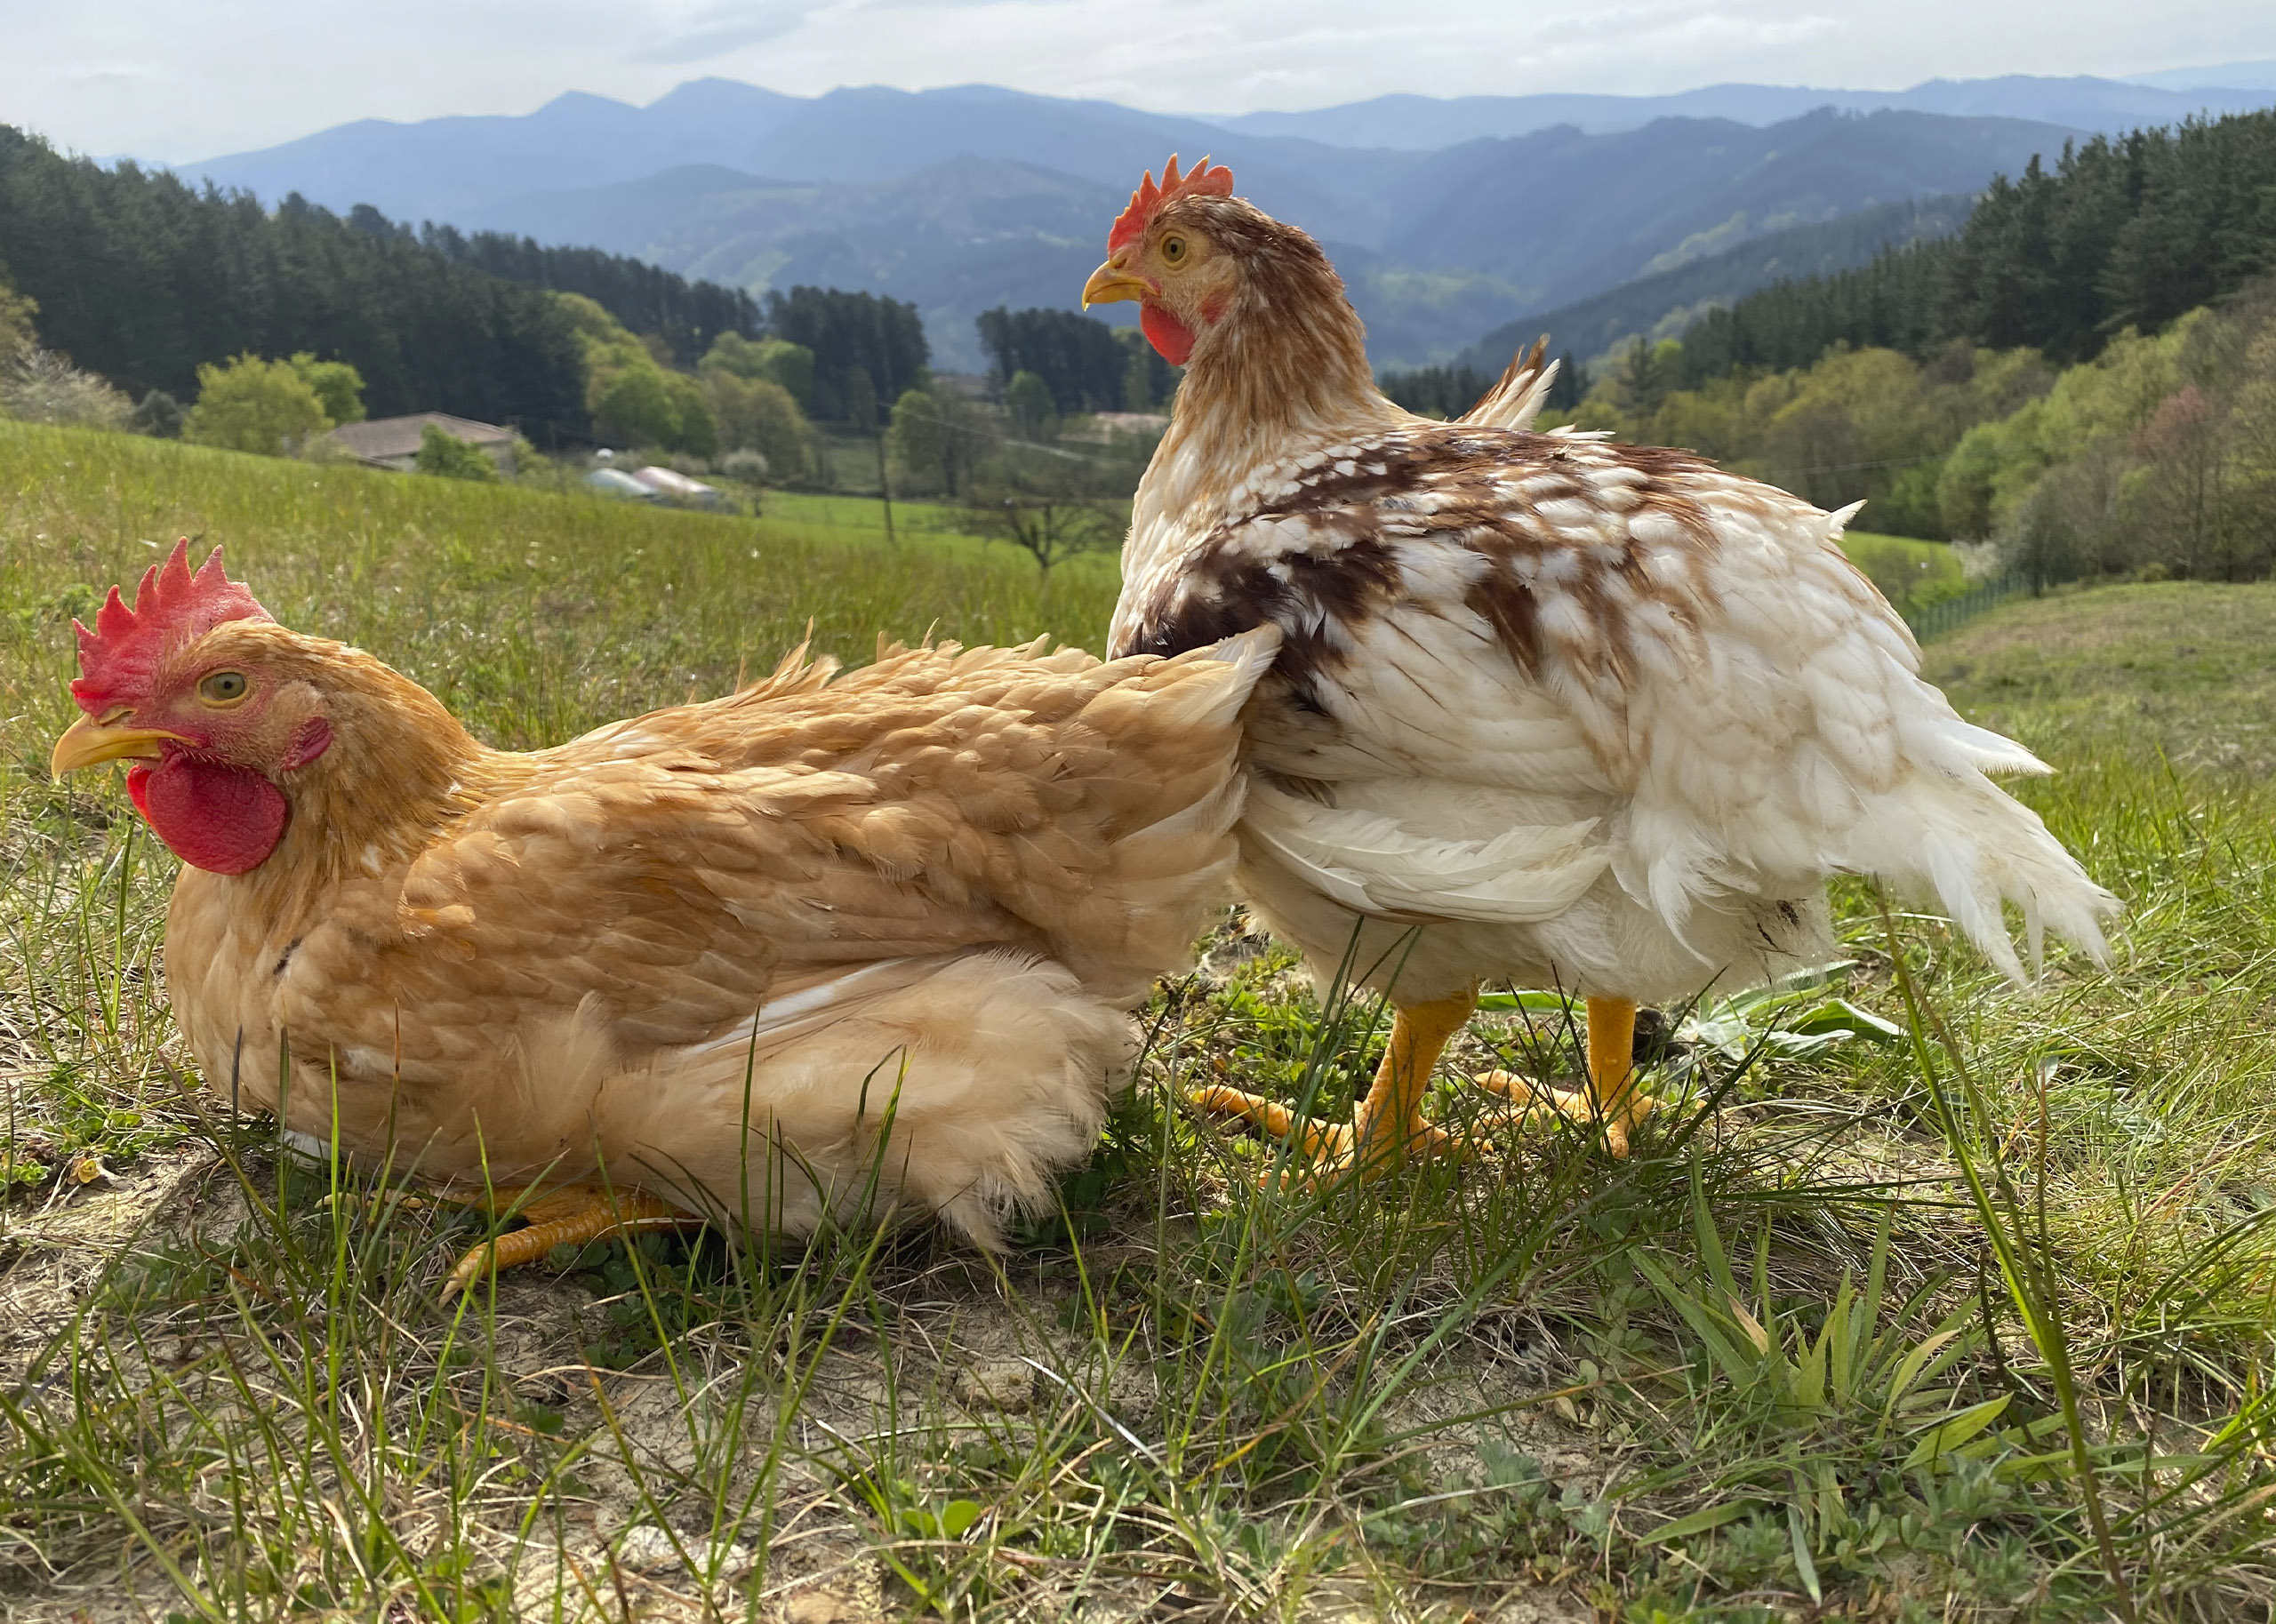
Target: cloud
(729, 29)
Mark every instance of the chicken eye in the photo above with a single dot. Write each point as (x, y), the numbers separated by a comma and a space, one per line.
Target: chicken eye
(224, 688)
(1172, 250)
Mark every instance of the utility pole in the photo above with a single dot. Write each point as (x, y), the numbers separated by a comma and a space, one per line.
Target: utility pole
(884, 485)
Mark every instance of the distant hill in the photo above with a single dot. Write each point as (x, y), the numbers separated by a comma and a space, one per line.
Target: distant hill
(458, 169)
(1662, 306)
(959, 201)
(1424, 124)
(954, 240)
(2236, 75)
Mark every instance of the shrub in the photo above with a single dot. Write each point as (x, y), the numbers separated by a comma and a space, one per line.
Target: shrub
(264, 407)
(443, 453)
(39, 386)
(160, 415)
(338, 385)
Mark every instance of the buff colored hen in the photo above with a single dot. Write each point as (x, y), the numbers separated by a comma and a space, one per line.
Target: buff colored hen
(926, 891)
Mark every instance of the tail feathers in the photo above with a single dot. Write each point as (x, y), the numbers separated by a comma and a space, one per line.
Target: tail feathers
(1170, 852)
(1518, 394)
(1977, 850)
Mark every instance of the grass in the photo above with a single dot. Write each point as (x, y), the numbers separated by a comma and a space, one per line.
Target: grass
(1939, 1300)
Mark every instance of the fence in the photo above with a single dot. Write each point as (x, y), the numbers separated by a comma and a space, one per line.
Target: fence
(1952, 611)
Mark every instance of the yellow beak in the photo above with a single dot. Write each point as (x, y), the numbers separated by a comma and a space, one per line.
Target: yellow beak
(1111, 282)
(90, 740)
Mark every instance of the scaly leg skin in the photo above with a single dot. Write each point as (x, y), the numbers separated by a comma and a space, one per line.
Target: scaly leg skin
(1612, 1097)
(1385, 1127)
(566, 1217)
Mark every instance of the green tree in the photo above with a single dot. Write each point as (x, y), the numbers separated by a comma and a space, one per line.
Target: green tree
(249, 405)
(778, 360)
(758, 414)
(1028, 398)
(861, 398)
(883, 338)
(443, 453)
(141, 277)
(633, 398)
(634, 407)
(693, 428)
(939, 435)
(2252, 442)
(339, 386)
(1078, 357)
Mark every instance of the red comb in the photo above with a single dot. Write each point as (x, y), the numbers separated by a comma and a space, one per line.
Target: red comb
(1199, 181)
(172, 607)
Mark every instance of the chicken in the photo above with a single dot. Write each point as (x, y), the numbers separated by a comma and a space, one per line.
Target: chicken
(735, 959)
(1570, 714)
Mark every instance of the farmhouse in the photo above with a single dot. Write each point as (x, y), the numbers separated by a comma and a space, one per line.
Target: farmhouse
(393, 442)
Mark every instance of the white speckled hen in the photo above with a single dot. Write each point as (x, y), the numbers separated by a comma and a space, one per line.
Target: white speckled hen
(1594, 717)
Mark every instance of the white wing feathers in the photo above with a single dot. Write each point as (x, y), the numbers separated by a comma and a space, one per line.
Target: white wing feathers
(1751, 705)
(1807, 744)
(1373, 864)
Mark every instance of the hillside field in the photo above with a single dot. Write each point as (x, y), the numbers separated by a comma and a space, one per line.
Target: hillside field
(1926, 1299)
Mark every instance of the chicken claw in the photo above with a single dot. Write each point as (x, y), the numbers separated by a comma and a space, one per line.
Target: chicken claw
(1611, 1098)
(1419, 1035)
(566, 1217)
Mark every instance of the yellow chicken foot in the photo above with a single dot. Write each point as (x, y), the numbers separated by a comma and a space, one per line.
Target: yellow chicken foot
(566, 1217)
(1388, 1126)
(1612, 1097)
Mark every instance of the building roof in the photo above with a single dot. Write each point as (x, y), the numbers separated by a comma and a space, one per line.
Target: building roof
(398, 437)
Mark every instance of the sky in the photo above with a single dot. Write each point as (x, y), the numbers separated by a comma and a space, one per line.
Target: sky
(158, 80)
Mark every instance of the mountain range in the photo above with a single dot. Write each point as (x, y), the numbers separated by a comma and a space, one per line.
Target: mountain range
(1423, 123)
(1595, 331)
(965, 198)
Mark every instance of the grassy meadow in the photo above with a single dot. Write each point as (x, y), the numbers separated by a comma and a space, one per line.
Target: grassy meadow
(1926, 1299)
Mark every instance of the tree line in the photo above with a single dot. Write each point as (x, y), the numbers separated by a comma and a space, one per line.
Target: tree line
(2126, 232)
(1084, 364)
(687, 315)
(141, 279)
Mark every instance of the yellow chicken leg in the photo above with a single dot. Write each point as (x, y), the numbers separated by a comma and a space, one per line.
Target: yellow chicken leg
(1386, 1126)
(566, 1217)
(1612, 1097)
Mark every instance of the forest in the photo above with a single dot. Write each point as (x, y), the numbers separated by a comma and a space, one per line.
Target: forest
(140, 281)
(2081, 381)
(2131, 232)
(688, 315)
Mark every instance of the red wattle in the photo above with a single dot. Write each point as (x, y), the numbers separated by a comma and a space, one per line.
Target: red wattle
(1165, 334)
(223, 820)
